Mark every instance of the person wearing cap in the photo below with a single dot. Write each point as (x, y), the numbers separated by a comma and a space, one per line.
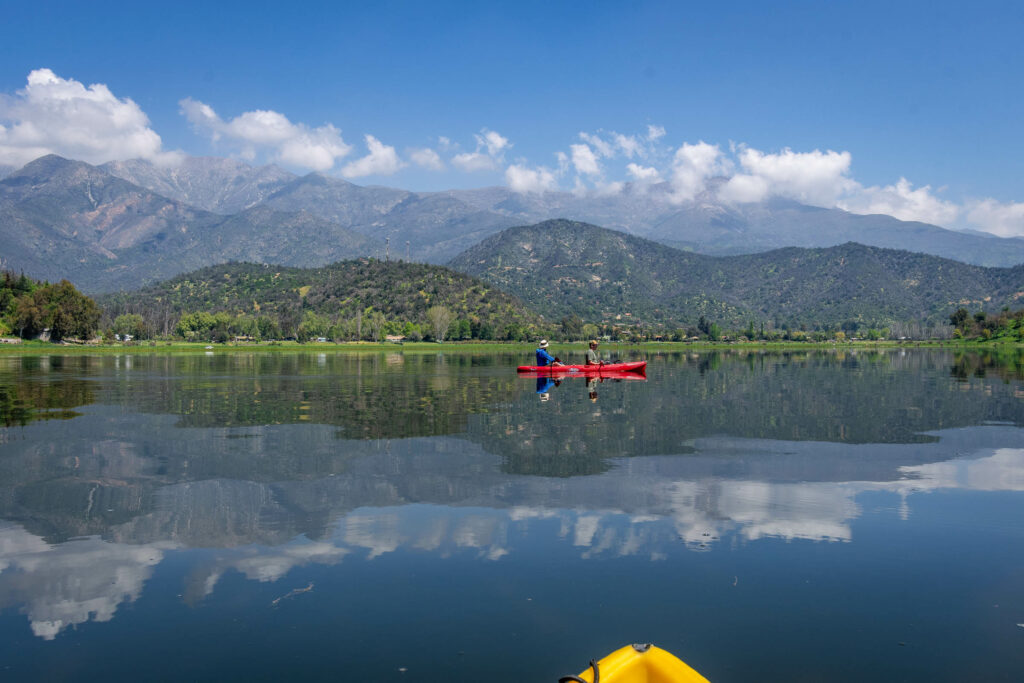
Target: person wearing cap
(543, 357)
(592, 354)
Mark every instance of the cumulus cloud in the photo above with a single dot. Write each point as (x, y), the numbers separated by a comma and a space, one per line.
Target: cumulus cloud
(493, 141)
(381, 160)
(1005, 220)
(584, 159)
(489, 153)
(901, 201)
(816, 178)
(54, 115)
(426, 158)
(521, 178)
(692, 165)
(474, 161)
(643, 174)
(629, 145)
(294, 144)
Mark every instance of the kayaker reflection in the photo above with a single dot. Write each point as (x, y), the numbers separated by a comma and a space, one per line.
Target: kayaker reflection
(543, 357)
(592, 383)
(592, 358)
(545, 385)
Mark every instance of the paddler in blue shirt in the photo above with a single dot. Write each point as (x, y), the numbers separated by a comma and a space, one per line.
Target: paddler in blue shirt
(543, 357)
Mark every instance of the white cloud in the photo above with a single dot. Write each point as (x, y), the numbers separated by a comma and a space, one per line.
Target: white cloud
(626, 144)
(495, 143)
(654, 133)
(643, 174)
(474, 161)
(53, 115)
(1005, 220)
(629, 145)
(489, 153)
(523, 179)
(816, 178)
(584, 159)
(290, 143)
(691, 167)
(382, 160)
(563, 163)
(604, 149)
(901, 201)
(426, 158)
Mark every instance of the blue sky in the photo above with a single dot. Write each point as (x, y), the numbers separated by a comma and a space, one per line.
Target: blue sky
(925, 92)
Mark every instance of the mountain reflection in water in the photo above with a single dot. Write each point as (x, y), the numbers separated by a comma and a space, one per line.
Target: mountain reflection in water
(270, 463)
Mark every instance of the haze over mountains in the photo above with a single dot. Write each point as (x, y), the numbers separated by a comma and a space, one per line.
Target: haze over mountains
(125, 224)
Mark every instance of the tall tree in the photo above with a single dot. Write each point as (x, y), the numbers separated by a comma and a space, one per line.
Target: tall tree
(439, 318)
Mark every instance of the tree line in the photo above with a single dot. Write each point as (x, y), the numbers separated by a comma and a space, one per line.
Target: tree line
(1006, 325)
(32, 309)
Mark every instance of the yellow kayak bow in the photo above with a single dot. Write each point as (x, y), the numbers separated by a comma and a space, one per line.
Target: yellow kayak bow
(641, 663)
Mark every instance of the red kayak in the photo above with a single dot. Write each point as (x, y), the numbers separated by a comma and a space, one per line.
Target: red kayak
(559, 376)
(608, 369)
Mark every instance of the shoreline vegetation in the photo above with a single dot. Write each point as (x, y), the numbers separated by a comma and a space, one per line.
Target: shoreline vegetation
(37, 316)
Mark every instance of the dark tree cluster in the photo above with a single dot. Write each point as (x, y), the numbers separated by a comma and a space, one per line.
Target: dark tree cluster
(31, 309)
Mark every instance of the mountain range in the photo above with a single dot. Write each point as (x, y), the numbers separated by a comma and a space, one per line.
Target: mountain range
(129, 223)
(68, 219)
(564, 267)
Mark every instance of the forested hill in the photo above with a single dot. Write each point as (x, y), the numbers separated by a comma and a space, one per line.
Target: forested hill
(563, 267)
(338, 293)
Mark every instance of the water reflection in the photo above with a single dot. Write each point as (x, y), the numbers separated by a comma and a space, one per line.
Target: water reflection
(172, 454)
(447, 497)
(59, 586)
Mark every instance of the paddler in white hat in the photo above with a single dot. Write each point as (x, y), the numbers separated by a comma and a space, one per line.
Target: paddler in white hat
(543, 357)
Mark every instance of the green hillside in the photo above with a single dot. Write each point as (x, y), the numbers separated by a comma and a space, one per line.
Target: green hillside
(330, 301)
(564, 267)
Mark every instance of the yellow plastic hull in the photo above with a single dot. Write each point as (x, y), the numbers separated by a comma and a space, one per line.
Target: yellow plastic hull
(628, 665)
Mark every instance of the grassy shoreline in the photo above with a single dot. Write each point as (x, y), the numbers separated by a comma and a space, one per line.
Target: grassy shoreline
(46, 348)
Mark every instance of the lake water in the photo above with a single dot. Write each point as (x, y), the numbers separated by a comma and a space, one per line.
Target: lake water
(805, 516)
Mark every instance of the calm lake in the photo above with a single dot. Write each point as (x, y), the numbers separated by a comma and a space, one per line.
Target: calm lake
(789, 516)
